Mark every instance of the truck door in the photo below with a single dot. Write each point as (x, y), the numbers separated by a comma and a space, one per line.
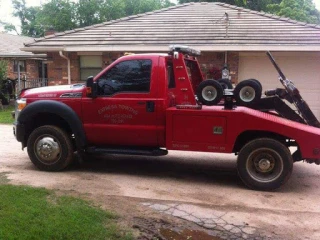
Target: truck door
(125, 111)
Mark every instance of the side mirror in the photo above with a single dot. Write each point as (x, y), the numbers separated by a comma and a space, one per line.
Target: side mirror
(92, 88)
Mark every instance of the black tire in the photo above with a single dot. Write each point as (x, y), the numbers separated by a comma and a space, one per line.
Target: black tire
(225, 83)
(257, 81)
(50, 148)
(264, 164)
(247, 93)
(209, 92)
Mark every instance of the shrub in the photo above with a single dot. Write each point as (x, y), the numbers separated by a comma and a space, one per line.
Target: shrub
(3, 72)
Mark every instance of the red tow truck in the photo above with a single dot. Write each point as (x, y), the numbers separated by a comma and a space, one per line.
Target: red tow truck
(147, 104)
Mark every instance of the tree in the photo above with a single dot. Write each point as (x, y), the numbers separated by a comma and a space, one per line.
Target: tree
(301, 10)
(9, 27)
(260, 5)
(27, 16)
(63, 15)
(89, 12)
(240, 3)
(57, 14)
(132, 7)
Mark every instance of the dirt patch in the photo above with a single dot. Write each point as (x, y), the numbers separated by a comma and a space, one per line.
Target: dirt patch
(186, 234)
(3, 177)
(160, 229)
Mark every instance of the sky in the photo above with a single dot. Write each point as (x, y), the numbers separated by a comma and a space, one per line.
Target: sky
(6, 10)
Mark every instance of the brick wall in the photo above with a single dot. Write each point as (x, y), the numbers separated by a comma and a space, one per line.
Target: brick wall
(58, 67)
(210, 60)
(31, 72)
(108, 58)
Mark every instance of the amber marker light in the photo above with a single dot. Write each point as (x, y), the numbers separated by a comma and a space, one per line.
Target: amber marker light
(89, 90)
(21, 103)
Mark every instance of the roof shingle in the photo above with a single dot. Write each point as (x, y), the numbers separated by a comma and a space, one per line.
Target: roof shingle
(10, 46)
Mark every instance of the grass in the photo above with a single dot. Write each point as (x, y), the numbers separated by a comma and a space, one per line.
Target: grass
(36, 213)
(5, 115)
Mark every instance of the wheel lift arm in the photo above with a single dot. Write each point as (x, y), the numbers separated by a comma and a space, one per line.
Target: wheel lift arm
(278, 105)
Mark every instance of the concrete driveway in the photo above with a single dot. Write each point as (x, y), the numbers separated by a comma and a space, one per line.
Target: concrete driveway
(197, 188)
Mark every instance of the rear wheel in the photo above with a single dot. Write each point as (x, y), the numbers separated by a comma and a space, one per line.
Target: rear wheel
(209, 92)
(50, 148)
(264, 164)
(247, 93)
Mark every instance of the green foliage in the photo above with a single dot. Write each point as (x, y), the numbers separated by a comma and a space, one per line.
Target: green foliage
(30, 213)
(59, 14)
(3, 71)
(90, 12)
(301, 10)
(62, 15)
(8, 27)
(27, 16)
(239, 3)
(132, 7)
(260, 5)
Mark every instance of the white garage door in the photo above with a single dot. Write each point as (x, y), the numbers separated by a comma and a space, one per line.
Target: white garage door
(302, 68)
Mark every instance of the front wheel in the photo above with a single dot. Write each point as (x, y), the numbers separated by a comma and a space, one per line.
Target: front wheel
(264, 164)
(50, 148)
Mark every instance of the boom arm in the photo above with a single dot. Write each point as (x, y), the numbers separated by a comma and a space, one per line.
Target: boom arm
(276, 66)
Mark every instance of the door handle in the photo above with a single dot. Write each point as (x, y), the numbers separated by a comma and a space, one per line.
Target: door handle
(150, 106)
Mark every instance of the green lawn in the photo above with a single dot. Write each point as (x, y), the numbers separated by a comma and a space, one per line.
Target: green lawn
(5, 115)
(36, 213)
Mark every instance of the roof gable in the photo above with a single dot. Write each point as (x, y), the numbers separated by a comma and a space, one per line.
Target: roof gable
(203, 25)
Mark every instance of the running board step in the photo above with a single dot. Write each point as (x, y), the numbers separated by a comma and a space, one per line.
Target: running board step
(128, 151)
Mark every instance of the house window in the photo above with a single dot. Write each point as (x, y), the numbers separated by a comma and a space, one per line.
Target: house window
(126, 76)
(22, 64)
(90, 66)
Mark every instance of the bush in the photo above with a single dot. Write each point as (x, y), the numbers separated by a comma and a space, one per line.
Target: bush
(3, 72)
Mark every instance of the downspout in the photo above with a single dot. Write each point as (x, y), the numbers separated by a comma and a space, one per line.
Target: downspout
(69, 68)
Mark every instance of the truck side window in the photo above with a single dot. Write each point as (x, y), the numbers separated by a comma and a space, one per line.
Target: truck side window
(126, 76)
(170, 76)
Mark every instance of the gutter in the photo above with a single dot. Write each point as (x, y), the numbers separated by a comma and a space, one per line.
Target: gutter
(165, 48)
(33, 56)
(41, 49)
(69, 66)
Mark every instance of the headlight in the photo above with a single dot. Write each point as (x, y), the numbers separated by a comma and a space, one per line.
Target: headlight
(21, 103)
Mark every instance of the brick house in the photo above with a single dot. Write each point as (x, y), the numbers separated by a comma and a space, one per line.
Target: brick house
(30, 64)
(224, 33)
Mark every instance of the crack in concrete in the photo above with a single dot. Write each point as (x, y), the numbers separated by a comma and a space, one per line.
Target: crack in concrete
(218, 223)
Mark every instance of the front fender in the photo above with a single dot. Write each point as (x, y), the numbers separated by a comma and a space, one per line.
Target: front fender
(58, 108)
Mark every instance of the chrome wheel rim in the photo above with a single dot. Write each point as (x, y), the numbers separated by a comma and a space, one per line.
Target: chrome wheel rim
(209, 93)
(247, 94)
(264, 165)
(47, 149)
